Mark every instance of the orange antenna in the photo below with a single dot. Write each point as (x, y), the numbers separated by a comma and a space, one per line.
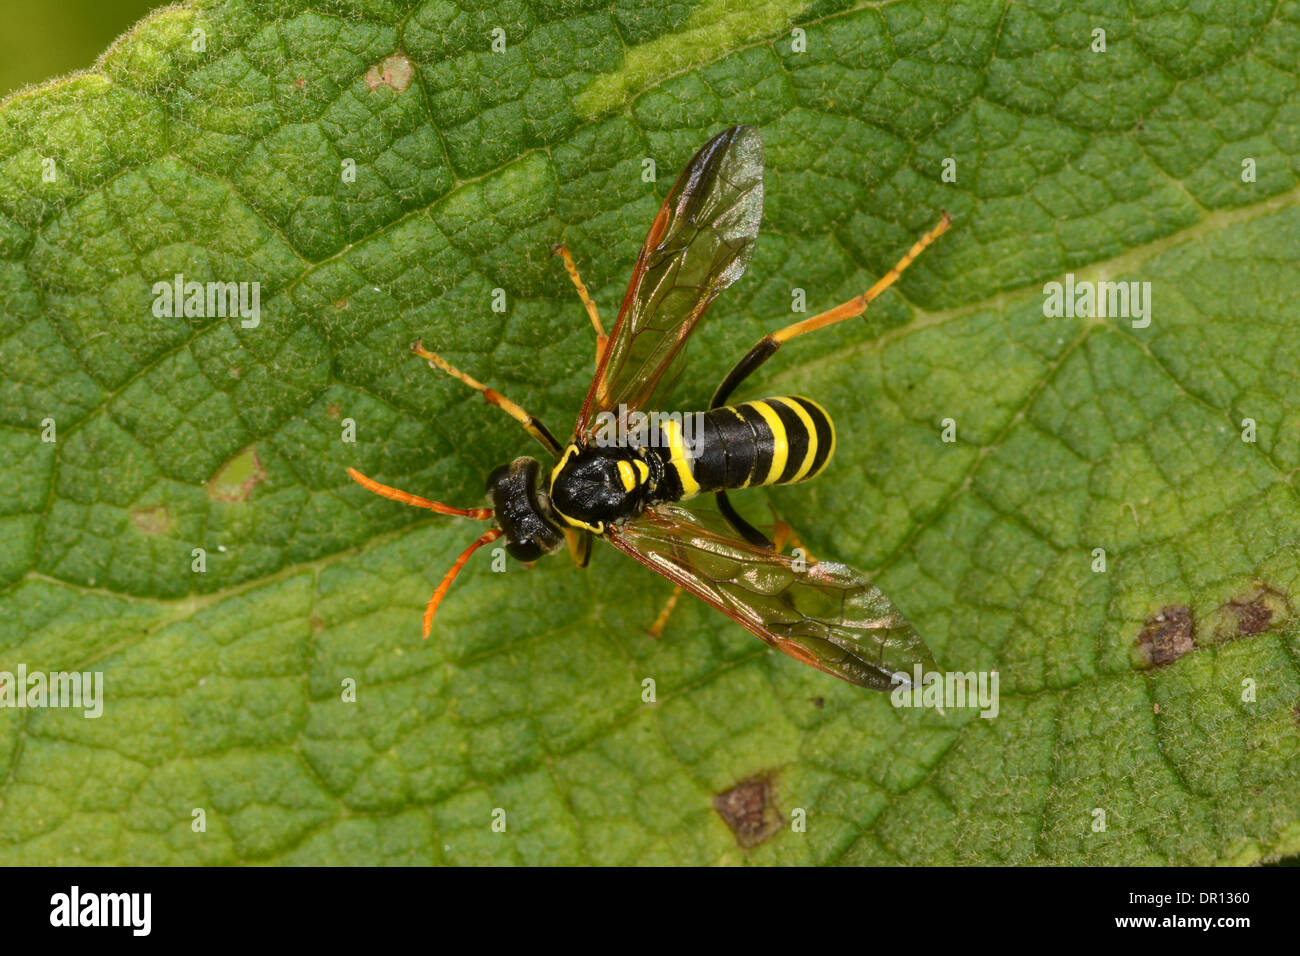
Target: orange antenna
(406, 498)
(451, 576)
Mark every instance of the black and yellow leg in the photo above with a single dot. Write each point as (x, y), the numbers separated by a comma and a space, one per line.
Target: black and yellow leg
(782, 533)
(579, 543)
(562, 251)
(768, 345)
(531, 425)
(743, 527)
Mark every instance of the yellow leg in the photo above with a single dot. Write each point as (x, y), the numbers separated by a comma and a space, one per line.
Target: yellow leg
(783, 534)
(532, 425)
(768, 345)
(657, 628)
(562, 251)
(858, 305)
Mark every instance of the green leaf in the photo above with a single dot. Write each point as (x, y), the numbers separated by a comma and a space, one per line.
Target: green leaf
(1161, 691)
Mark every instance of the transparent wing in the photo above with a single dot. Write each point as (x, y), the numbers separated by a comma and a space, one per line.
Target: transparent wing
(699, 243)
(827, 614)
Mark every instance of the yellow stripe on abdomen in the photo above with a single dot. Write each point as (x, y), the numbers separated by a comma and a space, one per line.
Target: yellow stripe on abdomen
(811, 452)
(679, 457)
(780, 447)
(799, 433)
(822, 449)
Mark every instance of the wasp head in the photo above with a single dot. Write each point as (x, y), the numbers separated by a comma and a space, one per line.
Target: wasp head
(522, 510)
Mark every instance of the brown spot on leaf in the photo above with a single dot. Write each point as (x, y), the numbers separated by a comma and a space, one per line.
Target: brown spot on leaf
(1166, 636)
(156, 520)
(819, 702)
(395, 71)
(333, 410)
(1264, 608)
(1253, 616)
(748, 809)
(341, 304)
(317, 624)
(300, 82)
(235, 480)
(1261, 609)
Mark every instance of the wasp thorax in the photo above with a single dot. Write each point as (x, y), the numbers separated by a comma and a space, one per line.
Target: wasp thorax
(521, 510)
(593, 486)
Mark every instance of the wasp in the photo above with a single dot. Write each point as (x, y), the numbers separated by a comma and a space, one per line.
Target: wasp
(629, 491)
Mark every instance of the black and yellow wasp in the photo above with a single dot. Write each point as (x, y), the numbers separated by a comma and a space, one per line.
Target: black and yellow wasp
(627, 491)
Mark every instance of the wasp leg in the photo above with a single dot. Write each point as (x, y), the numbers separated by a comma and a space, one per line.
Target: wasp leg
(768, 345)
(657, 628)
(531, 425)
(741, 526)
(562, 251)
(579, 543)
(783, 534)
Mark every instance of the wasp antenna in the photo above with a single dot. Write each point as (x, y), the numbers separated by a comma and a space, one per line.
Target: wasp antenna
(450, 576)
(406, 498)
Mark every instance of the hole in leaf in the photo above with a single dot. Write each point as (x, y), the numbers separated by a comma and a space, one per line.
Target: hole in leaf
(235, 480)
(395, 71)
(156, 520)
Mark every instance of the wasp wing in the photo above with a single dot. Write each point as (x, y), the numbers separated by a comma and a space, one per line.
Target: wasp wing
(700, 243)
(824, 614)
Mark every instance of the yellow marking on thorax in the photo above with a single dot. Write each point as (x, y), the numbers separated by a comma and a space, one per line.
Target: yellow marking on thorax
(559, 465)
(626, 475)
(680, 458)
(599, 527)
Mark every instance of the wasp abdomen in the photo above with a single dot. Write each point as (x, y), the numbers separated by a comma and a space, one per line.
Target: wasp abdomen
(775, 441)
